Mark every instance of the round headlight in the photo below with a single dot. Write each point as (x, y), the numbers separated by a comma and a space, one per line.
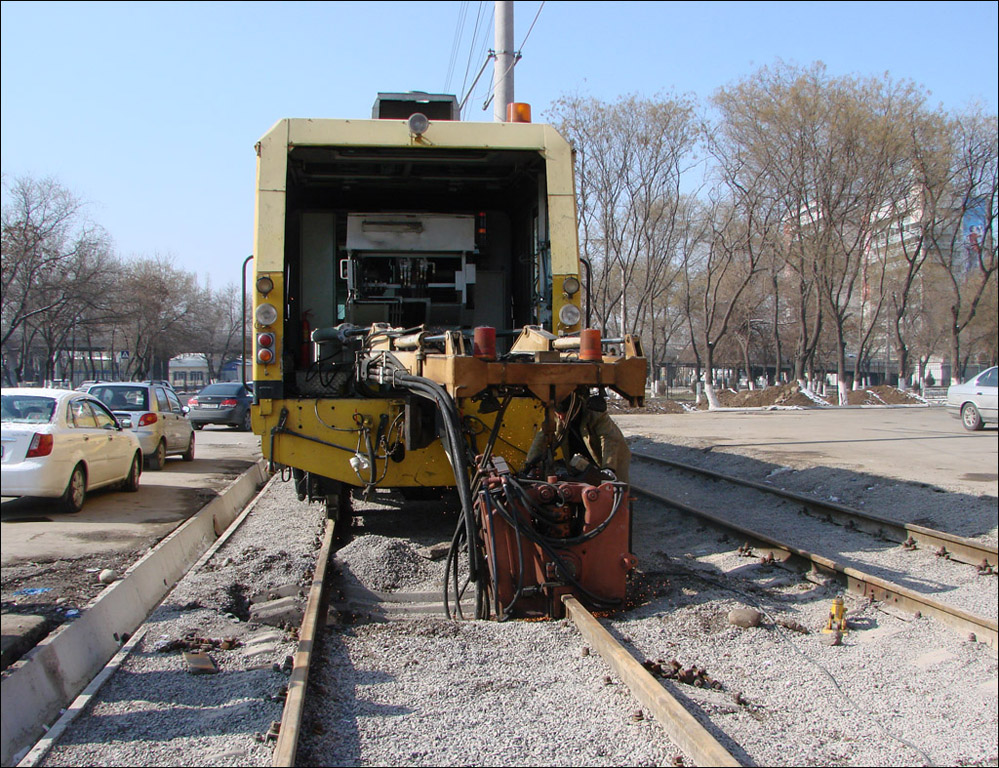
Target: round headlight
(571, 286)
(265, 285)
(266, 314)
(569, 314)
(418, 123)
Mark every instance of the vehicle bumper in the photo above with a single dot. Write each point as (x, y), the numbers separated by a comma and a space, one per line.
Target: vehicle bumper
(223, 416)
(34, 478)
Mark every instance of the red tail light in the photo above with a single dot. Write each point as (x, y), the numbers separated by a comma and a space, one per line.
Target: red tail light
(229, 403)
(147, 418)
(193, 402)
(265, 348)
(41, 445)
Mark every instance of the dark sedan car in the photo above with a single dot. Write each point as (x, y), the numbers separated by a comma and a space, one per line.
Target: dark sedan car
(223, 403)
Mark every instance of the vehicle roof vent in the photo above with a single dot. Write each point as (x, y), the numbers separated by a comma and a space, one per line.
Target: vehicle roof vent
(400, 106)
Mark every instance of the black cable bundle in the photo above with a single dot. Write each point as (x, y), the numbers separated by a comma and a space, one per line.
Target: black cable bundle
(455, 448)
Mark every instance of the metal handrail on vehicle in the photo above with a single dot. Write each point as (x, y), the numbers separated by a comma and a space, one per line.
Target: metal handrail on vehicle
(242, 362)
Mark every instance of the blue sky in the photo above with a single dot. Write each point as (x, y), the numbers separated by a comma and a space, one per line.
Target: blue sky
(149, 111)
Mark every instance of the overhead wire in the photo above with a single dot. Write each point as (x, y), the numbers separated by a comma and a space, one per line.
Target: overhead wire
(456, 44)
(483, 48)
(471, 46)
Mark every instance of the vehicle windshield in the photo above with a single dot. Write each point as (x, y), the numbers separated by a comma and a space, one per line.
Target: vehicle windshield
(27, 409)
(122, 397)
(223, 389)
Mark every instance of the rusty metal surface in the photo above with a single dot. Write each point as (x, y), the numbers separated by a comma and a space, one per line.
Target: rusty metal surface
(680, 726)
(291, 717)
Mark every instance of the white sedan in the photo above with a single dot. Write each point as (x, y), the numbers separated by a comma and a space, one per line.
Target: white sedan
(976, 402)
(61, 444)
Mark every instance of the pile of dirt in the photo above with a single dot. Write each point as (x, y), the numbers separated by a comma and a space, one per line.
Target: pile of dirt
(882, 395)
(784, 395)
(652, 405)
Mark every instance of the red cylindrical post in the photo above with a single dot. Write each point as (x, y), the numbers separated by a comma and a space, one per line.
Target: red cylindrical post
(589, 345)
(484, 343)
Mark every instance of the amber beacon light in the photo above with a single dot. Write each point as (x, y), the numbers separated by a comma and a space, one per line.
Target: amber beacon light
(518, 112)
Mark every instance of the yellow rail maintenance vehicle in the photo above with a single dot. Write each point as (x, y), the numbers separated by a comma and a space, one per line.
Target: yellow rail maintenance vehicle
(418, 327)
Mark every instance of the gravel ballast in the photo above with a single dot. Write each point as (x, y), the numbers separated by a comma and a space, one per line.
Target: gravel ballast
(895, 690)
(950, 582)
(153, 710)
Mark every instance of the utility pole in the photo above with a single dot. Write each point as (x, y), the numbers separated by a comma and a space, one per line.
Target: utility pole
(505, 58)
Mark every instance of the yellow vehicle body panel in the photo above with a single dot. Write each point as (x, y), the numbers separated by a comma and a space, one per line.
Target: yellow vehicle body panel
(272, 170)
(322, 436)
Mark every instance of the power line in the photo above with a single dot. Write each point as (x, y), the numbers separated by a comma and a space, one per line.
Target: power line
(483, 47)
(459, 29)
(521, 48)
(471, 47)
(475, 82)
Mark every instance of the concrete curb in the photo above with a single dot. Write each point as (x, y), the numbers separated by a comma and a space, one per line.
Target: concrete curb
(61, 666)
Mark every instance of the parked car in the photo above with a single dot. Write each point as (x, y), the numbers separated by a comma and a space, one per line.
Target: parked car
(63, 444)
(225, 402)
(85, 385)
(976, 402)
(156, 416)
(162, 382)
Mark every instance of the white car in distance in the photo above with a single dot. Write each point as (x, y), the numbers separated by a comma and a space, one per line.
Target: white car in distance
(976, 401)
(62, 444)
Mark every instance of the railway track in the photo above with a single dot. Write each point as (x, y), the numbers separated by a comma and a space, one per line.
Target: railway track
(349, 598)
(942, 544)
(673, 713)
(534, 705)
(857, 580)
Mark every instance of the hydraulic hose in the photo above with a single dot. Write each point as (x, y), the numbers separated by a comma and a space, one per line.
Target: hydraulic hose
(454, 448)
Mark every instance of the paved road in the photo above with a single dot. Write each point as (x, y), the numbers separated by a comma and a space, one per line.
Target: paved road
(917, 444)
(33, 530)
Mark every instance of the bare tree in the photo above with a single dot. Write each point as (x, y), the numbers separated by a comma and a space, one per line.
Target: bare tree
(216, 331)
(630, 157)
(76, 297)
(829, 149)
(156, 303)
(45, 237)
(910, 218)
(717, 276)
(963, 233)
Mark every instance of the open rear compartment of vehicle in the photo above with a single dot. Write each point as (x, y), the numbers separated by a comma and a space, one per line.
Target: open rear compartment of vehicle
(374, 235)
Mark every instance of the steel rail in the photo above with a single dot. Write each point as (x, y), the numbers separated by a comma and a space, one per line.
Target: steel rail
(294, 705)
(683, 728)
(945, 544)
(856, 582)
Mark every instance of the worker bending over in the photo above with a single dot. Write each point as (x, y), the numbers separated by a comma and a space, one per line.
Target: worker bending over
(587, 437)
